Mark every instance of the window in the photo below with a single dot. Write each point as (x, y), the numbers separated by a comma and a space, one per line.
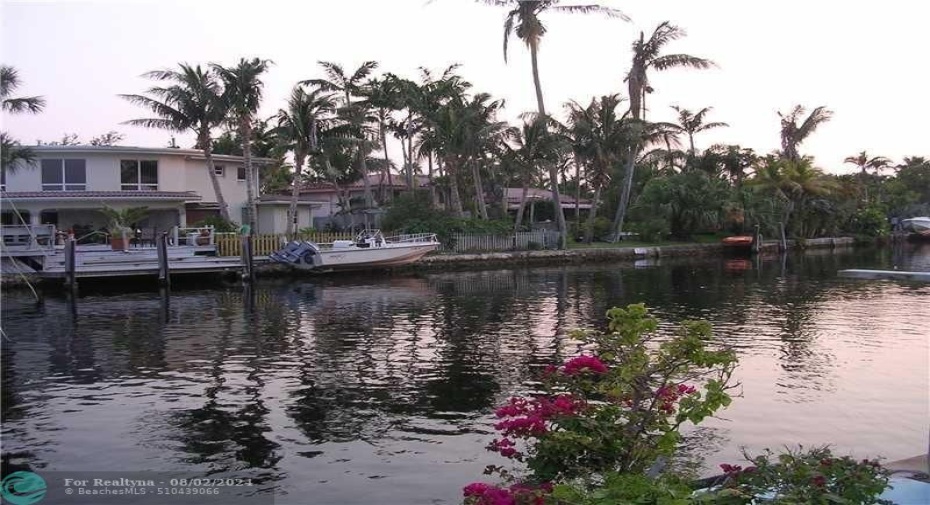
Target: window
(64, 175)
(10, 218)
(219, 170)
(138, 175)
(240, 173)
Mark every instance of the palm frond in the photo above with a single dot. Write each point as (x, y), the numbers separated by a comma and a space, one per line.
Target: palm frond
(591, 9)
(363, 71)
(32, 104)
(681, 60)
(508, 29)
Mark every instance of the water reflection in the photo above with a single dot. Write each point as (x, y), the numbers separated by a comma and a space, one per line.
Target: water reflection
(348, 388)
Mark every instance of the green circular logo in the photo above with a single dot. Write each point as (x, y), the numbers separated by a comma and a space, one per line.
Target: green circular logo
(22, 488)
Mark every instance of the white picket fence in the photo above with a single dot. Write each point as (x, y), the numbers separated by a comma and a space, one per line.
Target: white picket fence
(523, 241)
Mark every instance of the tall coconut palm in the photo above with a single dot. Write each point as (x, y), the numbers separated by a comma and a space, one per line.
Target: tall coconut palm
(297, 128)
(536, 145)
(692, 123)
(647, 56)
(189, 101)
(865, 164)
(523, 19)
(12, 154)
(337, 80)
(793, 133)
(603, 135)
(242, 95)
(383, 96)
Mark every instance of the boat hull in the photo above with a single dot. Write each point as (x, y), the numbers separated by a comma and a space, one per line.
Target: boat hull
(918, 225)
(370, 258)
(370, 250)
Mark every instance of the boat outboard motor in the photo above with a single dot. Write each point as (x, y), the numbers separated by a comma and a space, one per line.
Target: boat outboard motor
(291, 253)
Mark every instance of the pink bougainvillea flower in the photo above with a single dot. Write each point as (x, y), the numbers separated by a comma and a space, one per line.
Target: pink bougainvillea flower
(583, 364)
(476, 489)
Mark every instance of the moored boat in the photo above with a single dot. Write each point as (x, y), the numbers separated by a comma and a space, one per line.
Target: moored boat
(370, 249)
(918, 225)
(738, 243)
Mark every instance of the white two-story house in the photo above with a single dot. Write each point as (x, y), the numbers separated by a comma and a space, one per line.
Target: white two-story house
(67, 184)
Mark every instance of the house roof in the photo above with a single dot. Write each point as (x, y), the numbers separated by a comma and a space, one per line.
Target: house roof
(375, 180)
(101, 195)
(195, 154)
(286, 200)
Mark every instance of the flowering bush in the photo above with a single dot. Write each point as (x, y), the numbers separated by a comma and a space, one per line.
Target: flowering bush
(619, 408)
(480, 493)
(813, 477)
(603, 418)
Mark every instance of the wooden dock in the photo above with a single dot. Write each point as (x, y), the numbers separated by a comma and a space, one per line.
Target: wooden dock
(885, 274)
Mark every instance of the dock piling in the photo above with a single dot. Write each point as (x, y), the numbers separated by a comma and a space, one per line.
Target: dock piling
(164, 273)
(70, 265)
(248, 272)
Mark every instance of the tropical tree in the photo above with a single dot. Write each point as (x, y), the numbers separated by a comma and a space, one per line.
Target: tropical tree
(523, 19)
(337, 80)
(794, 133)
(382, 97)
(9, 83)
(189, 100)
(647, 56)
(795, 184)
(865, 164)
(242, 95)
(534, 144)
(601, 135)
(297, 128)
(691, 123)
(12, 153)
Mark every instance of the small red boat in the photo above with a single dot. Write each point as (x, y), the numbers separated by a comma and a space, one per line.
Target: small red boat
(738, 241)
(740, 244)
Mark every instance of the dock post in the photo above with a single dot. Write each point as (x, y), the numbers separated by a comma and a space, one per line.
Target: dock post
(756, 241)
(164, 273)
(783, 245)
(70, 265)
(248, 273)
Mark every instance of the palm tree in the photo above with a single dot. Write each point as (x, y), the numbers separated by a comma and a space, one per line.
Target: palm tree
(691, 123)
(646, 56)
(601, 135)
(242, 95)
(190, 101)
(350, 85)
(297, 128)
(12, 154)
(793, 134)
(9, 83)
(523, 18)
(865, 164)
(794, 183)
(536, 145)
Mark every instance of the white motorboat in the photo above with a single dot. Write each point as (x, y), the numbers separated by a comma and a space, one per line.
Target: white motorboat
(370, 249)
(919, 225)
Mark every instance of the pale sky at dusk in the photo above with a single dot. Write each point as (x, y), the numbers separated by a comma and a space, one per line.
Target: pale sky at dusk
(867, 61)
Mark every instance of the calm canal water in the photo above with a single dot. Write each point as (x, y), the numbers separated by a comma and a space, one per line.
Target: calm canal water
(359, 390)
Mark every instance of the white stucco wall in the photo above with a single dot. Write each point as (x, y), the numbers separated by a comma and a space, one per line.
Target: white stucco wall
(178, 170)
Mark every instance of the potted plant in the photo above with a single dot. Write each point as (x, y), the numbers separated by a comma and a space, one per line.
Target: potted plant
(119, 224)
